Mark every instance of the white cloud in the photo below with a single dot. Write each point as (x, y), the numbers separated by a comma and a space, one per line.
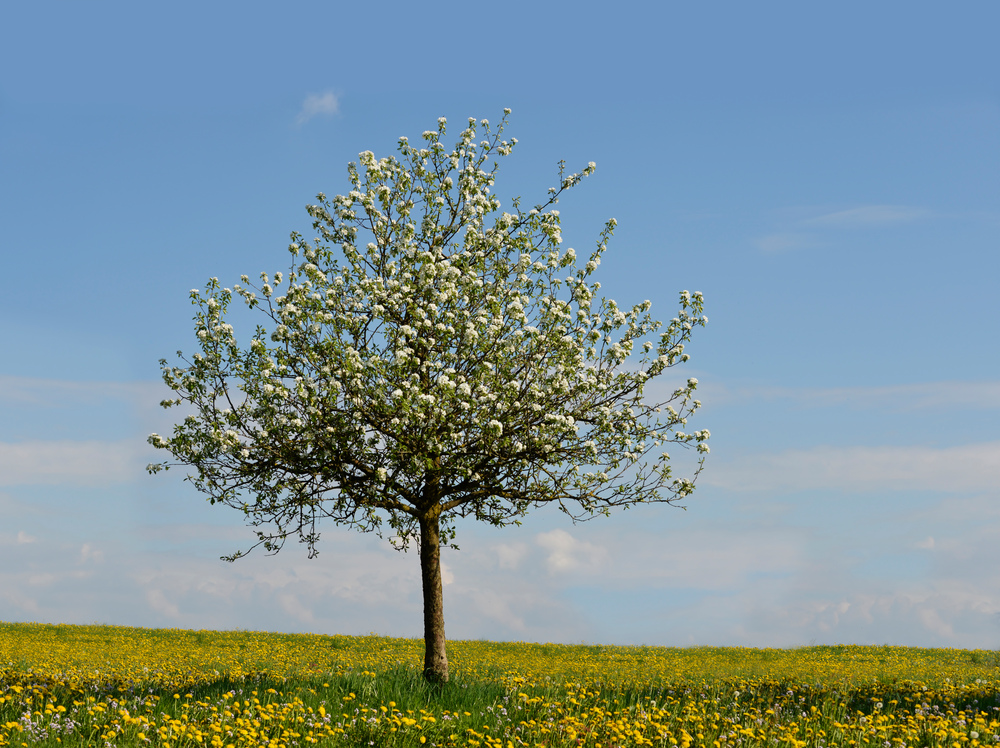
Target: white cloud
(316, 104)
(23, 537)
(505, 610)
(157, 600)
(971, 467)
(719, 557)
(89, 463)
(932, 620)
(89, 553)
(510, 556)
(566, 553)
(16, 605)
(292, 605)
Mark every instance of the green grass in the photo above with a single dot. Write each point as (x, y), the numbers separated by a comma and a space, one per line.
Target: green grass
(69, 685)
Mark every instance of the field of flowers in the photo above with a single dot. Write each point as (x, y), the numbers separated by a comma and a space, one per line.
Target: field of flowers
(113, 686)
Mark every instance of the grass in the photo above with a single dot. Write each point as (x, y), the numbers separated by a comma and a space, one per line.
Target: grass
(115, 686)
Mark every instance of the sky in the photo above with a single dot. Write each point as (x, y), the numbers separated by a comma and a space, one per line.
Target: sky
(827, 175)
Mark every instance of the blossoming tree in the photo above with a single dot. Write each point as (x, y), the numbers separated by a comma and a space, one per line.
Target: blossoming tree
(431, 357)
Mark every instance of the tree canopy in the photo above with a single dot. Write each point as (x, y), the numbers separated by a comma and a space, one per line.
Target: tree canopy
(428, 357)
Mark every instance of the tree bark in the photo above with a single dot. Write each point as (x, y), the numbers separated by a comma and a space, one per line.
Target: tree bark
(435, 651)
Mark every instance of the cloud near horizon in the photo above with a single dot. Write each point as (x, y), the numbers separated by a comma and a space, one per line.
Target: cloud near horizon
(740, 569)
(721, 586)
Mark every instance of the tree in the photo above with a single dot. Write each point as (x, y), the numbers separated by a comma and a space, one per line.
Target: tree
(428, 363)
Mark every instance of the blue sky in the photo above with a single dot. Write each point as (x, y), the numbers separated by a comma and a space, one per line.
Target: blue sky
(828, 176)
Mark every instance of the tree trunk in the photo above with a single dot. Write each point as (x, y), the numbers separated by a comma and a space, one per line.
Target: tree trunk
(435, 652)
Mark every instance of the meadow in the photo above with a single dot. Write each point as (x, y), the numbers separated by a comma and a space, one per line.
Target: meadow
(96, 685)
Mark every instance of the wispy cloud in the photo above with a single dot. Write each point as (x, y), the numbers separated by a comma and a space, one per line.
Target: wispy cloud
(971, 467)
(812, 230)
(868, 215)
(786, 241)
(60, 393)
(899, 397)
(88, 463)
(318, 104)
(950, 396)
